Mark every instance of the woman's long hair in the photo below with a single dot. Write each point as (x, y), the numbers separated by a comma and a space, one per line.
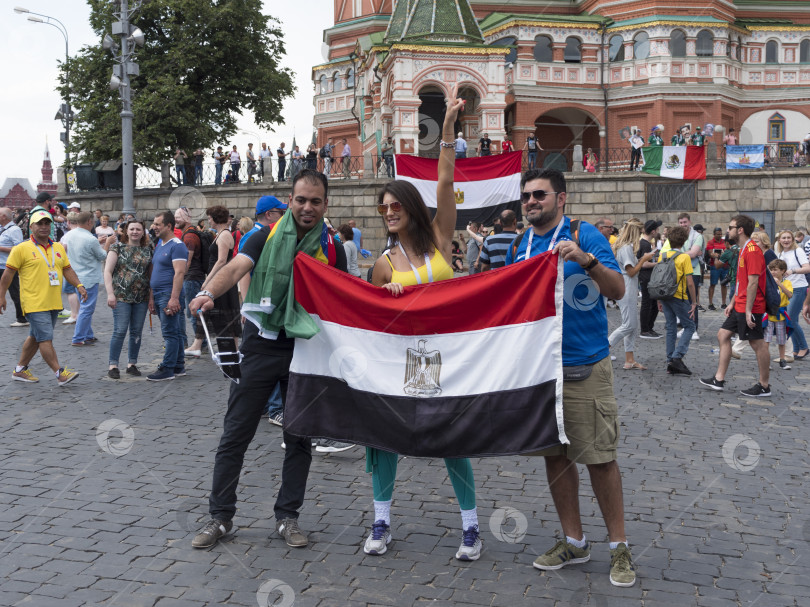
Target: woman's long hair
(420, 227)
(778, 245)
(629, 234)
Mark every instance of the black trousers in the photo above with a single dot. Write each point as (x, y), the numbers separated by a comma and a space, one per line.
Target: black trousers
(649, 308)
(14, 291)
(246, 402)
(635, 158)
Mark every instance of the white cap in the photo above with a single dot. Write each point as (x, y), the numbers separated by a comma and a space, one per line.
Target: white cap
(74, 205)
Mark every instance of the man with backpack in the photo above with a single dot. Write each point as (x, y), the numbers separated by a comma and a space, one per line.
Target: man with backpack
(672, 285)
(326, 155)
(744, 313)
(197, 264)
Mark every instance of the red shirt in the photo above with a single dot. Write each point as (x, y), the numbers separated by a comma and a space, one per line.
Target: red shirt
(752, 261)
(720, 245)
(506, 145)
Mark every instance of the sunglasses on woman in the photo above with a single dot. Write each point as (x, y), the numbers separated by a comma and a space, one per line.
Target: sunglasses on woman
(382, 208)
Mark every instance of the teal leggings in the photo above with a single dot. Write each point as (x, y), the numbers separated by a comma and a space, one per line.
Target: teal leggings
(383, 468)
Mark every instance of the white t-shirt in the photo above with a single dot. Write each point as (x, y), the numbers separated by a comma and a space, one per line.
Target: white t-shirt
(627, 257)
(235, 157)
(795, 259)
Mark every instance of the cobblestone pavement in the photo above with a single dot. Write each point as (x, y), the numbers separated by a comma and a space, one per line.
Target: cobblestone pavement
(103, 484)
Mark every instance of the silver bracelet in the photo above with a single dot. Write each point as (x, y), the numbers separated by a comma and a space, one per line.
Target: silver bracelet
(446, 144)
(206, 293)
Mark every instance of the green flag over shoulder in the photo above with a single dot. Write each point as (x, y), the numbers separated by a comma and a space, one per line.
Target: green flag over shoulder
(270, 301)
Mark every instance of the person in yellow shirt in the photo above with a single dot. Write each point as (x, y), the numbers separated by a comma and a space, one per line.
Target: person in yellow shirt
(678, 308)
(41, 264)
(778, 324)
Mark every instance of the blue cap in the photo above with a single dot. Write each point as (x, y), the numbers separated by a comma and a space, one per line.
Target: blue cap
(266, 203)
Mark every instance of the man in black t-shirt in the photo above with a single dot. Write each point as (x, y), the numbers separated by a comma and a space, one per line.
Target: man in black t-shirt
(484, 145)
(265, 363)
(649, 307)
(195, 273)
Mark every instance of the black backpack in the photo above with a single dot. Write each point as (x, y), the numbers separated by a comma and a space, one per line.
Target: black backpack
(324, 153)
(772, 295)
(206, 240)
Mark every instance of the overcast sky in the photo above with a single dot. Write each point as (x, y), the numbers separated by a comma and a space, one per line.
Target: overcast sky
(29, 75)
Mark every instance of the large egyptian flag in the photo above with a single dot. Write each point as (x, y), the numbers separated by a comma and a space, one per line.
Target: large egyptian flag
(483, 186)
(675, 161)
(459, 368)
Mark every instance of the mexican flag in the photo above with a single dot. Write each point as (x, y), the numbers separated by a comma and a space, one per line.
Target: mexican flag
(470, 367)
(675, 162)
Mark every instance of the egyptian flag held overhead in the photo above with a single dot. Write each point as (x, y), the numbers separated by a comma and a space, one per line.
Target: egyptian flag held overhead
(675, 161)
(483, 186)
(458, 368)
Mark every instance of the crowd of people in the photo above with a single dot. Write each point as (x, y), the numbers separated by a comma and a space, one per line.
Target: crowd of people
(221, 277)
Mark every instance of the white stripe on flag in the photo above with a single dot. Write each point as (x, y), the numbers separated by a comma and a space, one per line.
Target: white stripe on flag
(477, 194)
(473, 362)
(673, 160)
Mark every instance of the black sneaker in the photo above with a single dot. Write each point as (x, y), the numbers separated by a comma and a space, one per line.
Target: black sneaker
(701, 308)
(784, 365)
(114, 373)
(133, 370)
(650, 335)
(714, 383)
(210, 534)
(712, 308)
(677, 367)
(757, 390)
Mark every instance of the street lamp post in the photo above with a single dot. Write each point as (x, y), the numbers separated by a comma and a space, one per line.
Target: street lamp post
(65, 114)
(123, 55)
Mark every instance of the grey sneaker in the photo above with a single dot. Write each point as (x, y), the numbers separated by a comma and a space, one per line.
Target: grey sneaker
(378, 539)
(211, 533)
(288, 529)
(563, 554)
(277, 419)
(471, 545)
(622, 571)
(332, 446)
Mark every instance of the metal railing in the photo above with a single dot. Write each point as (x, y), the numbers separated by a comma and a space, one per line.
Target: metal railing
(375, 167)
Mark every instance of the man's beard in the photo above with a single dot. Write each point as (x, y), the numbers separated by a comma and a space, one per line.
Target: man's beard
(544, 218)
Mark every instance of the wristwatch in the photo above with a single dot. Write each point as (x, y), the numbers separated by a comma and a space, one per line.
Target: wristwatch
(592, 262)
(206, 293)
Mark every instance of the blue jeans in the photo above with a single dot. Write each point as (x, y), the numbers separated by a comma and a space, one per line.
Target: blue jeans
(282, 167)
(181, 174)
(389, 165)
(235, 168)
(190, 289)
(532, 160)
(794, 310)
(274, 404)
(127, 316)
(198, 174)
(173, 356)
(218, 177)
(83, 330)
(677, 310)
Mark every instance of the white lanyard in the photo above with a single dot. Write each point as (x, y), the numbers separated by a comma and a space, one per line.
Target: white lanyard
(742, 250)
(551, 244)
(415, 271)
(53, 258)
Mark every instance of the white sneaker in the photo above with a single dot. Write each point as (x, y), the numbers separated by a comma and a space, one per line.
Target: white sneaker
(695, 337)
(193, 353)
(17, 323)
(378, 540)
(69, 321)
(471, 545)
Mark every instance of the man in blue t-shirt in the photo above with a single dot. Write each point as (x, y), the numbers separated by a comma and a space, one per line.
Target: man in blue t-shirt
(589, 405)
(168, 270)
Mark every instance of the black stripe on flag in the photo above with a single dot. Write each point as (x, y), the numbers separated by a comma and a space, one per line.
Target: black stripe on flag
(484, 215)
(491, 424)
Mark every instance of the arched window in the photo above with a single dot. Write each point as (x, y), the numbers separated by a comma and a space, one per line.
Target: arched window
(542, 49)
(705, 44)
(772, 52)
(323, 84)
(804, 51)
(739, 49)
(337, 82)
(641, 46)
(350, 78)
(616, 50)
(677, 43)
(573, 50)
(508, 41)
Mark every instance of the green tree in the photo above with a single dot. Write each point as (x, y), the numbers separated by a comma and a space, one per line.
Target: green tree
(205, 62)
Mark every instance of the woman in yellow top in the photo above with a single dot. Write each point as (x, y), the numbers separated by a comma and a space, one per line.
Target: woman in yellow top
(421, 252)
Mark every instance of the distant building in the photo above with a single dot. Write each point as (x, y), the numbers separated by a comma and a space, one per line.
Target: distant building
(17, 193)
(47, 184)
(574, 72)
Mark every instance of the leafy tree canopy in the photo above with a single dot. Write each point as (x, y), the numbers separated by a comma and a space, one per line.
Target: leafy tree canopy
(204, 63)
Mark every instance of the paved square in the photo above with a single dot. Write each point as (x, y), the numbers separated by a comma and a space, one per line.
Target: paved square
(104, 483)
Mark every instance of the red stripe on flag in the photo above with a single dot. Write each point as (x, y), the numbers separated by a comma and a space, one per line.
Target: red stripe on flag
(519, 293)
(466, 169)
(694, 163)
